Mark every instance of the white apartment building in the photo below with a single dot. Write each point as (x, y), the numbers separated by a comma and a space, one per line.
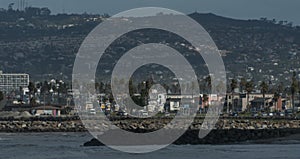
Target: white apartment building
(12, 82)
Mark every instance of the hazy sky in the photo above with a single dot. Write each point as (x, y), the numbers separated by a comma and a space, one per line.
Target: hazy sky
(241, 9)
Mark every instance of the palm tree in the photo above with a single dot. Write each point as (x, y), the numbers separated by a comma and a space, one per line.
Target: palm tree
(204, 101)
(249, 88)
(298, 90)
(294, 89)
(208, 84)
(243, 83)
(31, 87)
(280, 87)
(1, 96)
(264, 87)
(233, 85)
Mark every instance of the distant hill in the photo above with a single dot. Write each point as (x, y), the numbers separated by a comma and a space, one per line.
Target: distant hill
(45, 46)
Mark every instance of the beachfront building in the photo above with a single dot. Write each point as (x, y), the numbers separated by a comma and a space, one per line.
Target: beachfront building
(48, 110)
(238, 101)
(13, 81)
(174, 103)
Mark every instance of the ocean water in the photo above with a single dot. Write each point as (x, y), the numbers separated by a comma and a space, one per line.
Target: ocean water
(69, 146)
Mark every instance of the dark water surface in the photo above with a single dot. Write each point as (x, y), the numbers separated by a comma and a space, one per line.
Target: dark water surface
(68, 146)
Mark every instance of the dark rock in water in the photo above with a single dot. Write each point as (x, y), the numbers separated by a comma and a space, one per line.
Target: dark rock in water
(93, 142)
(222, 136)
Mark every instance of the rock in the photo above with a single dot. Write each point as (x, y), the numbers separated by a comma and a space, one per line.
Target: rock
(93, 142)
(258, 125)
(25, 114)
(24, 125)
(264, 126)
(251, 127)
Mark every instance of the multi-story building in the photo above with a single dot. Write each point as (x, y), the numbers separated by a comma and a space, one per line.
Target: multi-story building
(12, 82)
(239, 101)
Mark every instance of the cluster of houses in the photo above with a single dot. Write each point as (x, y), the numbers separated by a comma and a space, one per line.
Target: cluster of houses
(256, 102)
(166, 103)
(236, 102)
(157, 101)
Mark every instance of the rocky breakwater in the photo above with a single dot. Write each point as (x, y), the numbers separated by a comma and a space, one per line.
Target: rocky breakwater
(24, 122)
(225, 131)
(41, 126)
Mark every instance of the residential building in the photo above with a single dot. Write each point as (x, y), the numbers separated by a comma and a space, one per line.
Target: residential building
(13, 82)
(238, 101)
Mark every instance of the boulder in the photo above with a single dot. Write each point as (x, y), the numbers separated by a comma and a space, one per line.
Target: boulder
(93, 142)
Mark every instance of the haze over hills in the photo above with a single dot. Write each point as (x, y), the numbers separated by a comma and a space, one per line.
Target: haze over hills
(45, 45)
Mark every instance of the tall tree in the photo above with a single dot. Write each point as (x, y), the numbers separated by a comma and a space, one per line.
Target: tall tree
(264, 87)
(233, 86)
(204, 101)
(208, 84)
(243, 83)
(31, 87)
(280, 88)
(131, 87)
(1, 96)
(249, 88)
(294, 89)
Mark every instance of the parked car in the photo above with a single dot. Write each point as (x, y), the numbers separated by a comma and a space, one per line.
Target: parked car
(281, 114)
(234, 114)
(122, 113)
(255, 115)
(144, 113)
(297, 117)
(167, 114)
(271, 114)
(92, 111)
(264, 114)
(289, 112)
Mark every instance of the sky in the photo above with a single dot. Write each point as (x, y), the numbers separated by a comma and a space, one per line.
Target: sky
(238, 9)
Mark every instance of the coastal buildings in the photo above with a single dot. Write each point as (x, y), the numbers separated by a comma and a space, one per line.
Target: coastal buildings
(239, 102)
(13, 81)
(48, 110)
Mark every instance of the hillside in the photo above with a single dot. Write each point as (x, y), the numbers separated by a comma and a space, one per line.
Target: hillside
(45, 45)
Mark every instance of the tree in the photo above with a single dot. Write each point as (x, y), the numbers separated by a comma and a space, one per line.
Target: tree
(208, 84)
(264, 87)
(204, 101)
(249, 88)
(280, 88)
(233, 85)
(33, 101)
(1, 96)
(45, 87)
(243, 83)
(31, 87)
(131, 88)
(294, 89)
